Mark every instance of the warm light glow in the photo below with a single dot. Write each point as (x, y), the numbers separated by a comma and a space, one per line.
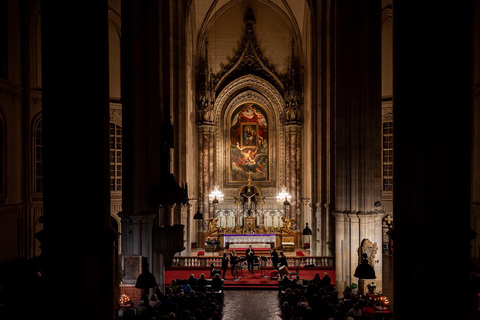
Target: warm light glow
(283, 195)
(124, 299)
(216, 194)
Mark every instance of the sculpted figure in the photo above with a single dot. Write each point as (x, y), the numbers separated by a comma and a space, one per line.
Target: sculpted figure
(370, 249)
(287, 225)
(212, 226)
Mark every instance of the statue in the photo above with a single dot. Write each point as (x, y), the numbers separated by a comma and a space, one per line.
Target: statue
(212, 226)
(370, 249)
(249, 195)
(287, 224)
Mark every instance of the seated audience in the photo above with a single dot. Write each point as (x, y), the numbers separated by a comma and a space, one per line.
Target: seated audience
(217, 282)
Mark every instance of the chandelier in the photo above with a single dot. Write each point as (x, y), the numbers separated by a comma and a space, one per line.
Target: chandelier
(216, 195)
(284, 197)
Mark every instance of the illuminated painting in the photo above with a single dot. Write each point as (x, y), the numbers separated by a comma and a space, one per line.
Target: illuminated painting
(249, 144)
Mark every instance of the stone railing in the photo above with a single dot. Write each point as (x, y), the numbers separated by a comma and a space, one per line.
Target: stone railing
(206, 261)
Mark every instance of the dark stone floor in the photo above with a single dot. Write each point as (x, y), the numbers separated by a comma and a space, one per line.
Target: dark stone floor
(264, 305)
(251, 304)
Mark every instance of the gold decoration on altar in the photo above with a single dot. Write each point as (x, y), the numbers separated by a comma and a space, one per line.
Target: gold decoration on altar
(250, 224)
(287, 224)
(212, 227)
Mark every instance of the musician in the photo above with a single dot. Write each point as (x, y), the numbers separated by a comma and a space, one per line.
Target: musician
(250, 253)
(214, 271)
(283, 260)
(274, 255)
(233, 261)
(224, 264)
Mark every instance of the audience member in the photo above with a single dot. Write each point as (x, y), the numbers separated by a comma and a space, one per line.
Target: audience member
(192, 281)
(217, 283)
(201, 283)
(326, 281)
(153, 301)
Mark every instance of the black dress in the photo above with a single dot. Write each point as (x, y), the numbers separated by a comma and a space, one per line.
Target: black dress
(224, 265)
(250, 257)
(233, 261)
(275, 259)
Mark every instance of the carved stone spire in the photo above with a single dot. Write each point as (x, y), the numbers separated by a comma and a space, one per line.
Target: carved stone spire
(206, 93)
(293, 91)
(249, 20)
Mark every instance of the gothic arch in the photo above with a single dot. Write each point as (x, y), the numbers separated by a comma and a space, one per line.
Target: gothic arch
(36, 161)
(250, 88)
(214, 13)
(3, 158)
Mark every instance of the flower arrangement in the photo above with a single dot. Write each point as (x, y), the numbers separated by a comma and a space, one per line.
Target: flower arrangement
(212, 242)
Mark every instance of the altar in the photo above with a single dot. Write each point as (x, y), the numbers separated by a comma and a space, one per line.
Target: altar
(250, 239)
(246, 219)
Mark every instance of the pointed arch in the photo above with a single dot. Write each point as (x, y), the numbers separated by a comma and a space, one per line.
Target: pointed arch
(250, 89)
(37, 156)
(3, 158)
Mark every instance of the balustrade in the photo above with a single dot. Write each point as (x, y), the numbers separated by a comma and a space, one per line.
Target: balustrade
(317, 261)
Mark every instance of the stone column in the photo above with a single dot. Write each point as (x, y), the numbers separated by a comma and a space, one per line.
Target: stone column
(341, 251)
(357, 123)
(329, 235)
(188, 227)
(378, 231)
(206, 166)
(293, 170)
(77, 241)
(432, 62)
(321, 104)
(357, 231)
(318, 233)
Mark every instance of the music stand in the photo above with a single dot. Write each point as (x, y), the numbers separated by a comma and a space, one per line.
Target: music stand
(263, 263)
(239, 265)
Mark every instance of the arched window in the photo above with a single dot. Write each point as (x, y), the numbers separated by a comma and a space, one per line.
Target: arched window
(115, 157)
(388, 156)
(37, 157)
(2, 158)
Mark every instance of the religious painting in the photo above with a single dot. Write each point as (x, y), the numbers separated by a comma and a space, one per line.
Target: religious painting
(132, 268)
(249, 144)
(249, 135)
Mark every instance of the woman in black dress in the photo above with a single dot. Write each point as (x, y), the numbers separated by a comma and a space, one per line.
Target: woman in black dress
(233, 261)
(224, 264)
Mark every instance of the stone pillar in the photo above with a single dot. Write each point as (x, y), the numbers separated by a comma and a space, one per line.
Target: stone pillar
(188, 227)
(432, 62)
(357, 124)
(329, 235)
(148, 93)
(356, 226)
(320, 104)
(136, 237)
(293, 171)
(318, 232)
(77, 241)
(378, 238)
(159, 270)
(206, 139)
(341, 251)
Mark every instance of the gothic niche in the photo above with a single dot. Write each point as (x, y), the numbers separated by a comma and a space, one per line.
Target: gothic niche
(249, 144)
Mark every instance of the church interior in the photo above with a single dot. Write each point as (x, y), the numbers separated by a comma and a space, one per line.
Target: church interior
(141, 137)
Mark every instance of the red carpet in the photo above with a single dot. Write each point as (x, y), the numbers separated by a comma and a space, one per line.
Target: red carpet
(260, 280)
